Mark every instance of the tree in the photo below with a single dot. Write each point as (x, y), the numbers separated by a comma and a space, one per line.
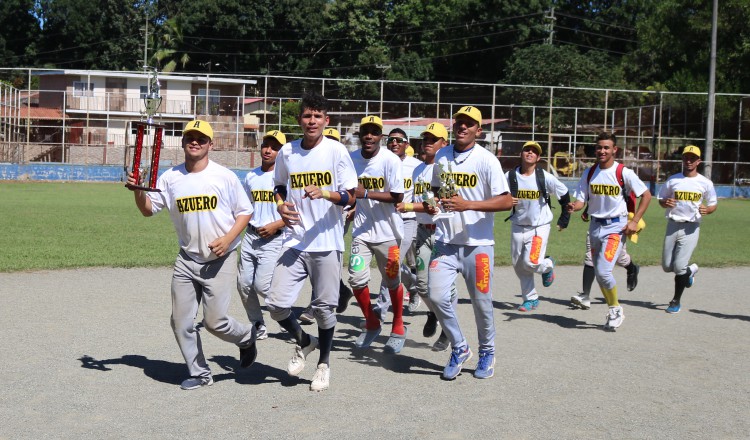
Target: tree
(19, 32)
(90, 34)
(171, 50)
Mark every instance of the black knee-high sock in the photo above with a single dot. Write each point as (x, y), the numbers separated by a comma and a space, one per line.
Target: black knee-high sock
(291, 325)
(680, 282)
(588, 278)
(325, 343)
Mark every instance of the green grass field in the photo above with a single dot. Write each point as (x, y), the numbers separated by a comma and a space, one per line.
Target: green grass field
(69, 225)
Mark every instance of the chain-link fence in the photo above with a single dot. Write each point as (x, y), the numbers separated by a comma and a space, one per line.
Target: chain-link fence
(89, 118)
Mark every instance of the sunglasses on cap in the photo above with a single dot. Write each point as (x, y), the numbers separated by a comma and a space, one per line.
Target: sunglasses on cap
(200, 139)
(397, 139)
(430, 139)
(370, 129)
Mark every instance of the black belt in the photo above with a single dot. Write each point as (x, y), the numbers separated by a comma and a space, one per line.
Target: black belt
(255, 230)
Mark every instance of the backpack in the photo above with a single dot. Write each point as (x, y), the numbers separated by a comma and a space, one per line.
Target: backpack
(541, 184)
(630, 197)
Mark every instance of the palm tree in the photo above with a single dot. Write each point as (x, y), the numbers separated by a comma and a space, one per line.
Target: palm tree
(171, 44)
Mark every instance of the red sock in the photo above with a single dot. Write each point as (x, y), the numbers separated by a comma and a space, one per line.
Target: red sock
(397, 299)
(363, 299)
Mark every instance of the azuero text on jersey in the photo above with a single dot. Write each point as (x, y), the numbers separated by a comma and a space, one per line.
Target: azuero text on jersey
(196, 203)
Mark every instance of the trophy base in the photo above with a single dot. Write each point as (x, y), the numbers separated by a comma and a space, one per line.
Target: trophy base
(142, 188)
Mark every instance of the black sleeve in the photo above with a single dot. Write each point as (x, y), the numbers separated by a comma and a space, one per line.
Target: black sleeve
(564, 219)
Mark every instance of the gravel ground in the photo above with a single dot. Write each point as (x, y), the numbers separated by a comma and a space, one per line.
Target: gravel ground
(89, 353)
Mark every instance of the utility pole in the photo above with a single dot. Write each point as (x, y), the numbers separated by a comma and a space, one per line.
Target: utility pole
(709, 150)
(550, 25)
(383, 68)
(145, 39)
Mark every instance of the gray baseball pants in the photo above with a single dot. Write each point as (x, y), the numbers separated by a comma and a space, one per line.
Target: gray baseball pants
(476, 264)
(292, 268)
(212, 284)
(258, 258)
(680, 241)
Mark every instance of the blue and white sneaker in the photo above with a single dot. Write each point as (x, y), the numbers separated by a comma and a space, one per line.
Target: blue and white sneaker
(458, 357)
(674, 307)
(693, 270)
(527, 306)
(549, 277)
(486, 365)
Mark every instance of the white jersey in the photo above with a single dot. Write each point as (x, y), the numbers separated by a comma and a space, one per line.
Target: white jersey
(408, 164)
(604, 194)
(377, 222)
(422, 179)
(327, 166)
(689, 192)
(259, 186)
(203, 206)
(531, 209)
(478, 176)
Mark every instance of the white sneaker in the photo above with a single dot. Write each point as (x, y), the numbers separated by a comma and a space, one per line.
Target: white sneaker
(321, 378)
(297, 363)
(261, 331)
(615, 316)
(581, 301)
(414, 303)
(693, 270)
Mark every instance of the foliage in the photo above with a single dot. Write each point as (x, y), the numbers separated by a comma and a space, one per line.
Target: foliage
(19, 32)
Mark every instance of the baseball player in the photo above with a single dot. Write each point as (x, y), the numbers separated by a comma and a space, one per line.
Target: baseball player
(262, 242)
(314, 178)
(687, 197)
(397, 142)
(209, 210)
(583, 299)
(609, 217)
(345, 293)
(377, 231)
(531, 219)
(474, 188)
(434, 138)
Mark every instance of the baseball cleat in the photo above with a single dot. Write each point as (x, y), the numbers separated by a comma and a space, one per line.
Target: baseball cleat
(529, 305)
(674, 307)
(321, 379)
(457, 360)
(345, 295)
(297, 363)
(615, 316)
(633, 270)
(693, 270)
(582, 301)
(486, 365)
(430, 327)
(249, 352)
(549, 277)
(442, 343)
(192, 383)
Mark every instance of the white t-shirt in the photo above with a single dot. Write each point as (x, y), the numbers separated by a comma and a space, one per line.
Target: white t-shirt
(422, 179)
(478, 176)
(327, 166)
(259, 189)
(531, 209)
(689, 192)
(377, 222)
(604, 194)
(408, 164)
(203, 206)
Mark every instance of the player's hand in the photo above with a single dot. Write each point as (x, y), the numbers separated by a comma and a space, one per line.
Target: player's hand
(400, 207)
(287, 212)
(515, 201)
(220, 246)
(429, 209)
(703, 209)
(455, 204)
(631, 227)
(131, 181)
(267, 231)
(349, 214)
(312, 192)
(359, 192)
(671, 203)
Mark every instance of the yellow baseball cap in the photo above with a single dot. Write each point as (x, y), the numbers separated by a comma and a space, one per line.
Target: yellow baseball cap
(332, 133)
(641, 226)
(471, 112)
(436, 129)
(374, 120)
(692, 149)
(201, 127)
(535, 146)
(276, 134)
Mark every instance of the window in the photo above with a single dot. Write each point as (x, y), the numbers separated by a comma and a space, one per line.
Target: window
(81, 88)
(144, 92)
(213, 101)
(173, 129)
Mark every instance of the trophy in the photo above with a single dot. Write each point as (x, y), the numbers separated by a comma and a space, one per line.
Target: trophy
(152, 101)
(446, 191)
